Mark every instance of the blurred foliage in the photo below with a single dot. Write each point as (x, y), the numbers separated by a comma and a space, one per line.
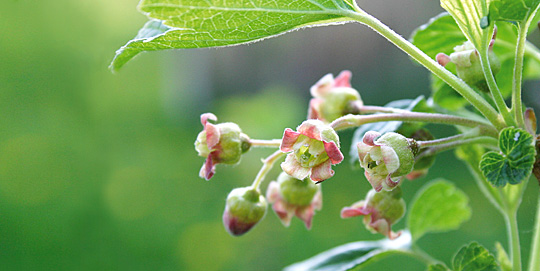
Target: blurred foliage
(98, 171)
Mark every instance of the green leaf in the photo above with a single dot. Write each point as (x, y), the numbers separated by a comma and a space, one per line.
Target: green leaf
(438, 207)
(515, 161)
(216, 23)
(511, 10)
(474, 257)
(439, 35)
(502, 258)
(417, 105)
(438, 267)
(468, 15)
(357, 254)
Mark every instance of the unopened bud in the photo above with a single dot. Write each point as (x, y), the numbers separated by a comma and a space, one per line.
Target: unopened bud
(244, 208)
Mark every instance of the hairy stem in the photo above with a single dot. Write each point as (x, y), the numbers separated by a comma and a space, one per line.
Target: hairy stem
(351, 121)
(461, 87)
(513, 239)
(268, 163)
(357, 107)
(456, 143)
(494, 89)
(534, 261)
(265, 143)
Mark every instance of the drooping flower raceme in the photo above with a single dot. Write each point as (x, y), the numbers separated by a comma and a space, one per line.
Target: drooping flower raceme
(380, 210)
(385, 159)
(244, 208)
(219, 143)
(332, 97)
(314, 149)
(291, 196)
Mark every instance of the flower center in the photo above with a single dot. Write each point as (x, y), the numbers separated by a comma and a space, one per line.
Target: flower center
(309, 152)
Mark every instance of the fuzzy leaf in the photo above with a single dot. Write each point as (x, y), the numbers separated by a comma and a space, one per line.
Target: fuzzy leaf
(515, 161)
(511, 10)
(439, 35)
(468, 15)
(417, 105)
(351, 255)
(474, 257)
(438, 207)
(216, 23)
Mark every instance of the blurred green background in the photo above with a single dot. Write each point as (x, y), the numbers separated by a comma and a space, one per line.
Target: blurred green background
(98, 171)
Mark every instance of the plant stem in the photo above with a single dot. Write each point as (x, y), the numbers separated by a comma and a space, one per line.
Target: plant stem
(440, 141)
(350, 121)
(461, 87)
(268, 163)
(517, 104)
(358, 108)
(534, 261)
(265, 143)
(455, 143)
(494, 89)
(510, 218)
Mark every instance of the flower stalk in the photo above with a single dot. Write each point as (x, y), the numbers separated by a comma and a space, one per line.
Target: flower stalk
(268, 163)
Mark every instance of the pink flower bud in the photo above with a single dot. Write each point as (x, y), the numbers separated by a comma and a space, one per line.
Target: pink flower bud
(314, 149)
(245, 207)
(385, 159)
(291, 196)
(332, 97)
(380, 210)
(219, 143)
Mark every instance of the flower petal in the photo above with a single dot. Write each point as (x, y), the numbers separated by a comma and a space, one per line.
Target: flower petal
(323, 86)
(289, 138)
(311, 129)
(333, 152)
(272, 192)
(322, 171)
(390, 184)
(343, 79)
(314, 109)
(284, 213)
(347, 212)
(317, 200)
(375, 182)
(382, 226)
(293, 168)
(207, 116)
(208, 168)
(369, 138)
(212, 135)
(306, 215)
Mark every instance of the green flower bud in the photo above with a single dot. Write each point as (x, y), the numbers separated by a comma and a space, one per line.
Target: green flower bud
(244, 208)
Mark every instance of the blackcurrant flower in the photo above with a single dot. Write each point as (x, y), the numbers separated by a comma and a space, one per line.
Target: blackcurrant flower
(314, 149)
(332, 97)
(380, 210)
(291, 196)
(385, 159)
(219, 143)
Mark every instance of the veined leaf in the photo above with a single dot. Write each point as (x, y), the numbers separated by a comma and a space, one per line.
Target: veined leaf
(474, 257)
(349, 256)
(512, 10)
(439, 35)
(437, 267)
(216, 23)
(439, 207)
(515, 161)
(468, 15)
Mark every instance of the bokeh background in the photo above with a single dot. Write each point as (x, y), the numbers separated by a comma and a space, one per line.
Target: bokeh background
(98, 170)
